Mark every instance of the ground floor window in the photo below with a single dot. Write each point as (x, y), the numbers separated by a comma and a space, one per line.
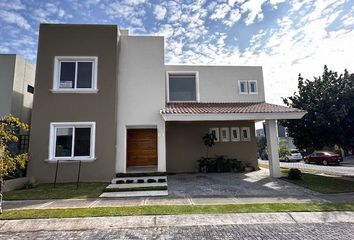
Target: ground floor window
(72, 141)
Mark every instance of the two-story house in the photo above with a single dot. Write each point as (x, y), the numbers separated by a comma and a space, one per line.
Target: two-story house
(109, 100)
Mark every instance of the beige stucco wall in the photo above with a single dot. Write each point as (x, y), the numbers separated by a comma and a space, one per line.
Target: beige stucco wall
(15, 74)
(184, 144)
(210, 77)
(75, 40)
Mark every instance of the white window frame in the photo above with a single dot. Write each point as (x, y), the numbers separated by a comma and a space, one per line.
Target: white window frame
(227, 131)
(217, 133)
(182, 72)
(239, 86)
(248, 138)
(233, 139)
(57, 66)
(249, 86)
(52, 140)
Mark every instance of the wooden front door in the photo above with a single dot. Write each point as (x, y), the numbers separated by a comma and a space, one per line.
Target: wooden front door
(141, 147)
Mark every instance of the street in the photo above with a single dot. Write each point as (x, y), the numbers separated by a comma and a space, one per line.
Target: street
(288, 231)
(346, 168)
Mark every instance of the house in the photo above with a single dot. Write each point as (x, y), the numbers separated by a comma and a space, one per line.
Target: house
(16, 91)
(108, 99)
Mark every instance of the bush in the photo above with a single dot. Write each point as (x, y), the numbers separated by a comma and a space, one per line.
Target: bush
(220, 164)
(294, 174)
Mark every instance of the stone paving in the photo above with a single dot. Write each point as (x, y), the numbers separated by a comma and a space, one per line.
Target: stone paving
(321, 231)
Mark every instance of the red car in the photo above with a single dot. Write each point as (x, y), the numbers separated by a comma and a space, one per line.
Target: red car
(323, 157)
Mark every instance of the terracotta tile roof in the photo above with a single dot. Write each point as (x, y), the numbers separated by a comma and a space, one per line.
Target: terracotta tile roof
(226, 107)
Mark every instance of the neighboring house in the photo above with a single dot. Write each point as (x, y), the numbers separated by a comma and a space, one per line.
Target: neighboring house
(16, 90)
(109, 100)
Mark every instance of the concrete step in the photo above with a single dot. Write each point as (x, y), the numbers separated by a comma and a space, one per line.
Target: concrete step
(135, 179)
(134, 194)
(135, 185)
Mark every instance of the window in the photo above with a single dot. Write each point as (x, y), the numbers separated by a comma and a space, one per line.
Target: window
(215, 132)
(72, 141)
(30, 89)
(252, 86)
(182, 86)
(225, 134)
(245, 134)
(75, 74)
(248, 87)
(235, 134)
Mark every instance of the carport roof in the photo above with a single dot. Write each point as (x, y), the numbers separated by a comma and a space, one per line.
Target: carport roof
(229, 111)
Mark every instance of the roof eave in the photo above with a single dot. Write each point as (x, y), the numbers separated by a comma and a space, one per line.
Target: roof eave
(231, 116)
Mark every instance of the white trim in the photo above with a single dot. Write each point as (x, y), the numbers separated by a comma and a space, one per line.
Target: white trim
(249, 86)
(248, 132)
(197, 95)
(239, 86)
(231, 116)
(76, 59)
(233, 139)
(73, 125)
(217, 134)
(227, 131)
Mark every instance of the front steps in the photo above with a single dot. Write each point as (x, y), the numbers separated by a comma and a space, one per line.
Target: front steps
(137, 185)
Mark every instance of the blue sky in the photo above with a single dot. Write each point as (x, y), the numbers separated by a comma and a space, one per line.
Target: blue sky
(285, 37)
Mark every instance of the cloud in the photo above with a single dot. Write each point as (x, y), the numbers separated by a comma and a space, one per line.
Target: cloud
(160, 12)
(220, 11)
(12, 5)
(14, 18)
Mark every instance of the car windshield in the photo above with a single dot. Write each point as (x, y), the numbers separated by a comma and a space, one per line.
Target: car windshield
(295, 151)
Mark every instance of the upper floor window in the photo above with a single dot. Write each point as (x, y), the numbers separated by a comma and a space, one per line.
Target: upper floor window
(248, 86)
(75, 74)
(182, 86)
(30, 89)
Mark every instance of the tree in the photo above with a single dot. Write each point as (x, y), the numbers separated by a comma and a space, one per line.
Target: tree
(209, 141)
(283, 150)
(329, 102)
(9, 127)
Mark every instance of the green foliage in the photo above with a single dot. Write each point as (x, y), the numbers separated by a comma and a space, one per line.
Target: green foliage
(283, 149)
(9, 127)
(329, 102)
(209, 141)
(294, 174)
(220, 164)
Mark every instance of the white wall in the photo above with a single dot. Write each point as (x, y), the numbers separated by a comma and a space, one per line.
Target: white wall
(141, 92)
(220, 83)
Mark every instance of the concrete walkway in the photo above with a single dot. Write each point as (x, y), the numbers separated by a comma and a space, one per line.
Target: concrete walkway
(99, 223)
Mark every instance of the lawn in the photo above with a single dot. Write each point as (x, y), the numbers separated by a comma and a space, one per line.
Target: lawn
(175, 209)
(61, 191)
(322, 184)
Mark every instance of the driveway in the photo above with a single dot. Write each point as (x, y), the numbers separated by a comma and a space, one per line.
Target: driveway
(346, 168)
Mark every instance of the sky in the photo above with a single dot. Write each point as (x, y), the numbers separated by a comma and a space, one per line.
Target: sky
(285, 37)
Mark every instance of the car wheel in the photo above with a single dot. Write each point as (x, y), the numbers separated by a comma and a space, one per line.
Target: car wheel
(324, 162)
(307, 161)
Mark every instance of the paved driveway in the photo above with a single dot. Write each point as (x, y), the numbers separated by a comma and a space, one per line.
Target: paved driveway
(252, 184)
(346, 168)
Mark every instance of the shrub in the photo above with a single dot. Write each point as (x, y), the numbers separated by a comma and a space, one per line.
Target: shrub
(151, 180)
(140, 181)
(294, 174)
(220, 164)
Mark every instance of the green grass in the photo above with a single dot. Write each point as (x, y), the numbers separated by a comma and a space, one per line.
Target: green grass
(175, 209)
(61, 191)
(322, 184)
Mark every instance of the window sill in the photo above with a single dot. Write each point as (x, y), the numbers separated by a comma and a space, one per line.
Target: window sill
(74, 90)
(68, 160)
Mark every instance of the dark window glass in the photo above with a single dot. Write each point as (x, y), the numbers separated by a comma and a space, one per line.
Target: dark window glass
(67, 75)
(82, 142)
(244, 133)
(30, 89)
(253, 87)
(63, 142)
(84, 75)
(242, 85)
(234, 132)
(182, 87)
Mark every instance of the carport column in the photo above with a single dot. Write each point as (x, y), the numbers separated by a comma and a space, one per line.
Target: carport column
(272, 146)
